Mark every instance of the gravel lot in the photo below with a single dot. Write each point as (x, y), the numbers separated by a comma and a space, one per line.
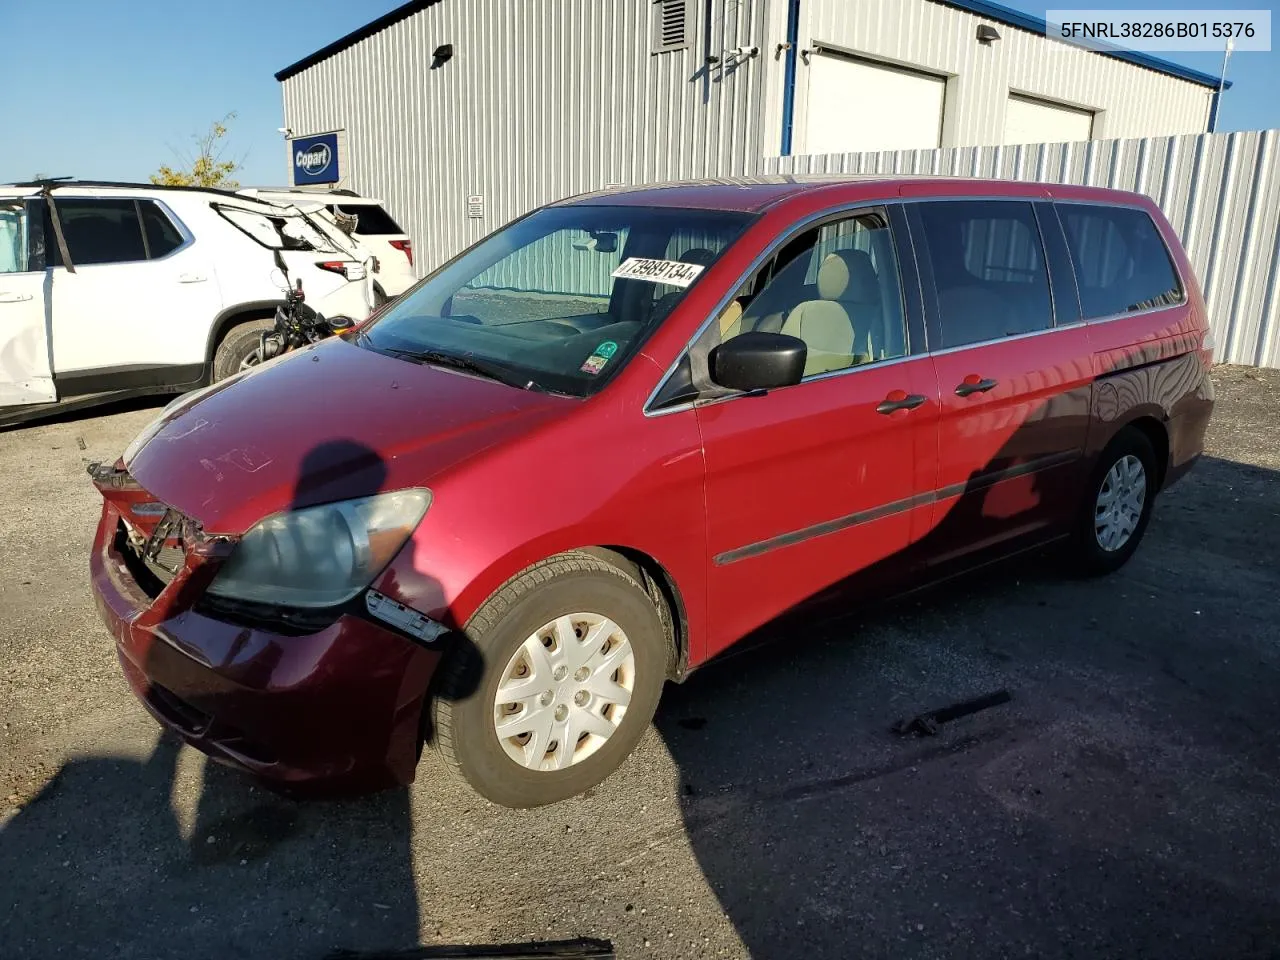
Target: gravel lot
(1126, 803)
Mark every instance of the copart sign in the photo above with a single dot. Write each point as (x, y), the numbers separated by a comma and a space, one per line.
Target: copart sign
(315, 158)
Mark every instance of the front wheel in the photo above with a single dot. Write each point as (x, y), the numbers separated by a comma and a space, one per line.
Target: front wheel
(553, 684)
(1117, 504)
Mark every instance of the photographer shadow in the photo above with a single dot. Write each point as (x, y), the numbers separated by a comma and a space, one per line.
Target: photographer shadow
(148, 857)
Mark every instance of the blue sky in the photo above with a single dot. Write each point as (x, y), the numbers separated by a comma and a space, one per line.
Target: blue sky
(117, 91)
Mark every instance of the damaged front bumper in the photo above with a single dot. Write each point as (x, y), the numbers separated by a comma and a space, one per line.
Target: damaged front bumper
(336, 704)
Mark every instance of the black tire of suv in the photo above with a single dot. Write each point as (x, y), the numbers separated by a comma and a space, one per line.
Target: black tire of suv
(462, 704)
(1086, 555)
(237, 343)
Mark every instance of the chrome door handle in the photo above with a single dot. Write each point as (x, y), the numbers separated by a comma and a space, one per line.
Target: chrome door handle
(14, 297)
(191, 278)
(906, 401)
(976, 386)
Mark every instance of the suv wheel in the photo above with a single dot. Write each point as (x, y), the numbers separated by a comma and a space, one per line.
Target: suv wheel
(1117, 504)
(237, 345)
(566, 663)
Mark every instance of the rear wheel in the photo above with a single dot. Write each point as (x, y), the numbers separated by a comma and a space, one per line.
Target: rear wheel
(1117, 504)
(554, 683)
(237, 346)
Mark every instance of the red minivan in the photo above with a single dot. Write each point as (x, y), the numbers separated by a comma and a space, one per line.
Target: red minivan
(622, 432)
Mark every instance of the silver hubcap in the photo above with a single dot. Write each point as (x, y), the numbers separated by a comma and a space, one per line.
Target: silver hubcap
(1120, 502)
(564, 691)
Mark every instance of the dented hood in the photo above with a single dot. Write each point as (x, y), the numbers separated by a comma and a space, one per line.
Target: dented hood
(326, 423)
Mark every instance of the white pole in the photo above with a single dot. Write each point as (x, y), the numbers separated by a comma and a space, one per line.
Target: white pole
(1222, 80)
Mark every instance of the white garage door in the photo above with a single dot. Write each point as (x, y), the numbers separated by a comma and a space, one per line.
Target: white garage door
(1038, 121)
(856, 106)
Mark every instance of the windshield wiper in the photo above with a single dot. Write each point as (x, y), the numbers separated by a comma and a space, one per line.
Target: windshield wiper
(490, 371)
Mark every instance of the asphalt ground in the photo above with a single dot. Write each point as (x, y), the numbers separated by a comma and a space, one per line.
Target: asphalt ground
(1124, 803)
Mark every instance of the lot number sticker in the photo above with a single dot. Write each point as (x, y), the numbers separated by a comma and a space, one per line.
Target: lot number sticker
(658, 271)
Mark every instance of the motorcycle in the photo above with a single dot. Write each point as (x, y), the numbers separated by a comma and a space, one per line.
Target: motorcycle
(296, 324)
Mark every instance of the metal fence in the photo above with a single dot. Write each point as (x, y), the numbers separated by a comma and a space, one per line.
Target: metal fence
(1221, 192)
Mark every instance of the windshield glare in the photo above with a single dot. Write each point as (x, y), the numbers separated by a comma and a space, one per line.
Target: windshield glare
(561, 299)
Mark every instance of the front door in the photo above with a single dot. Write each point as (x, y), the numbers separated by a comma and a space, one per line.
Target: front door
(25, 373)
(1014, 375)
(810, 484)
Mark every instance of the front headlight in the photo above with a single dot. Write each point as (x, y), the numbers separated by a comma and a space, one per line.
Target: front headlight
(320, 556)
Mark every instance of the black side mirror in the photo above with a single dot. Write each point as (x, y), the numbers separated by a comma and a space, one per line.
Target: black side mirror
(758, 361)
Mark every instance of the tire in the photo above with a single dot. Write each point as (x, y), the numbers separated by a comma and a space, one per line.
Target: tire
(1089, 555)
(465, 707)
(236, 345)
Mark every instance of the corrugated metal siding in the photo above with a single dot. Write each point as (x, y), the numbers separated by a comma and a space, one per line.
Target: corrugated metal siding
(1129, 100)
(1220, 191)
(542, 99)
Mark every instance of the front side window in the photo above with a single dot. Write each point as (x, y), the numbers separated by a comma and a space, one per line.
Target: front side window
(837, 288)
(96, 231)
(559, 300)
(14, 243)
(988, 268)
(1120, 262)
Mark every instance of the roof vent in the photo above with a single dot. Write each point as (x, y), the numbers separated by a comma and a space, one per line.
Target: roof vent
(670, 25)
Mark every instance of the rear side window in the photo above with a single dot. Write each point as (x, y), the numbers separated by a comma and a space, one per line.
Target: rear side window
(96, 231)
(371, 219)
(1121, 263)
(162, 236)
(988, 268)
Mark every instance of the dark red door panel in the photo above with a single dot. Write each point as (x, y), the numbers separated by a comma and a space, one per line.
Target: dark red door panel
(1015, 415)
(810, 484)
(1015, 380)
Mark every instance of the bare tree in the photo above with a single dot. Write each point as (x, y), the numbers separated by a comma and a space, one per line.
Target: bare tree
(208, 167)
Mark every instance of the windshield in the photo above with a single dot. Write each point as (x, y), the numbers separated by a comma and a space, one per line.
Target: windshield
(289, 229)
(561, 299)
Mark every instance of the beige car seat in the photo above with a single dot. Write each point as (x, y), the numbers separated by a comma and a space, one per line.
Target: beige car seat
(845, 279)
(731, 320)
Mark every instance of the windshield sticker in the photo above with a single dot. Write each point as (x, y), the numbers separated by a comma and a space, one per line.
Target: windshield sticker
(594, 364)
(599, 357)
(659, 271)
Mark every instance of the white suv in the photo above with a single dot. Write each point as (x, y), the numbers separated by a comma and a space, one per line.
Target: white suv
(167, 288)
(374, 228)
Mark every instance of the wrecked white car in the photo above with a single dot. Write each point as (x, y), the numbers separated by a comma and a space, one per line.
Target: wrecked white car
(115, 290)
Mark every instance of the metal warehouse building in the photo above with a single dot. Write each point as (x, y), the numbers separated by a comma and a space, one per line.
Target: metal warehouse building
(463, 114)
